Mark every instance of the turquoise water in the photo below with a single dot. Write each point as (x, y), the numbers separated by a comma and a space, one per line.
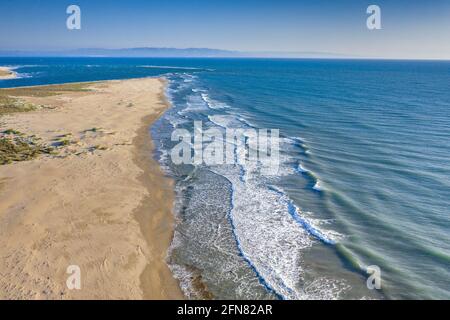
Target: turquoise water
(364, 176)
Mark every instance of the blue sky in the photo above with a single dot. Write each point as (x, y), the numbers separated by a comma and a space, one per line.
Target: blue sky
(410, 29)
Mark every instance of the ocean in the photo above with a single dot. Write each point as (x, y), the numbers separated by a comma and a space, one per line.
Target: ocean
(363, 178)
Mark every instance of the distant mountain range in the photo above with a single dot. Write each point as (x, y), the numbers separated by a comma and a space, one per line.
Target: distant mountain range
(167, 52)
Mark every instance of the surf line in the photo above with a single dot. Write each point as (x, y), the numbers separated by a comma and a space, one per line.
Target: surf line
(261, 279)
(293, 211)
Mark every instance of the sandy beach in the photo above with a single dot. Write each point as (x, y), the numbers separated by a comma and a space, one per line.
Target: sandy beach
(89, 193)
(6, 73)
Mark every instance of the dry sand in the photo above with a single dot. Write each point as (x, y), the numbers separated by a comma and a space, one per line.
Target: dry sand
(101, 203)
(7, 73)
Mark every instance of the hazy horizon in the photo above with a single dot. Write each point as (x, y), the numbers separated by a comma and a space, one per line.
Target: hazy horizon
(409, 29)
(178, 53)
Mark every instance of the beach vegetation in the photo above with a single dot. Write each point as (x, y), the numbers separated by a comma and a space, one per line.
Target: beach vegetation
(45, 91)
(10, 101)
(92, 130)
(19, 148)
(11, 104)
(65, 135)
(99, 147)
(12, 131)
(64, 142)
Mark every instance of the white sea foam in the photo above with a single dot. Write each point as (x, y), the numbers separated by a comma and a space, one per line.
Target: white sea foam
(269, 238)
(323, 225)
(193, 104)
(213, 104)
(174, 67)
(224, 121)
(166, 67)
(268, 234)
(318, 186)
(272, 240)
(163, 160)
(184, 277)
(14, 67)
(24, 75)
(301, 168)
(176, 121)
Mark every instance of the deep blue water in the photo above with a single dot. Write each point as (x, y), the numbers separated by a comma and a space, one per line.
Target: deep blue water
(364, 177)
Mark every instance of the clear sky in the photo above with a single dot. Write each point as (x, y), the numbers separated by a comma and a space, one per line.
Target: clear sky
(410, 29)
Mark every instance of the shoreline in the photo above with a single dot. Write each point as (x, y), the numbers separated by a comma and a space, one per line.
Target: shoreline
(122, 186)
(163, 219)
(7, 73)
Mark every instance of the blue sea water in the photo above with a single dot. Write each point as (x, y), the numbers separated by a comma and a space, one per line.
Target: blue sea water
(364, 178)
